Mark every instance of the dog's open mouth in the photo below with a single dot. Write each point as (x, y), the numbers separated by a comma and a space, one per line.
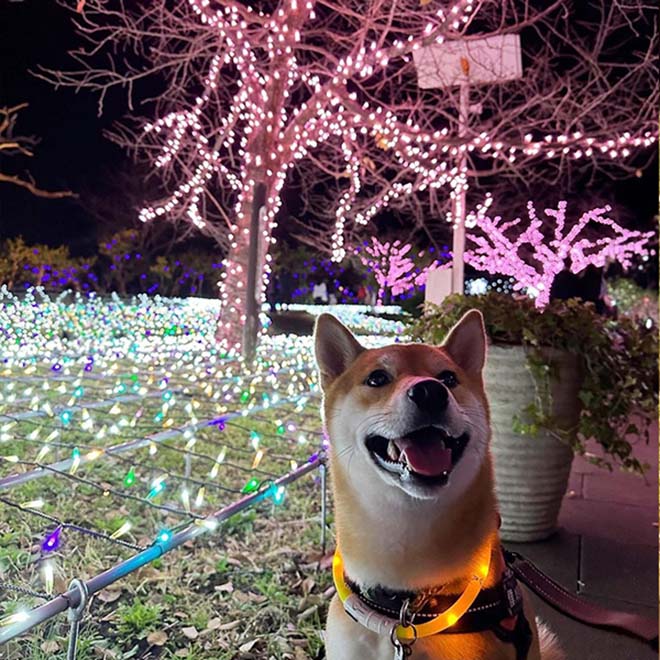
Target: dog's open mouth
(428, 454)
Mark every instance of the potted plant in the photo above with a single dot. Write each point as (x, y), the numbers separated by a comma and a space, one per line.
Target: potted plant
(561, 380)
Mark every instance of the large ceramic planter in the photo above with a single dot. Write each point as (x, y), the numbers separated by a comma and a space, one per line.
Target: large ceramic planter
(531, 473)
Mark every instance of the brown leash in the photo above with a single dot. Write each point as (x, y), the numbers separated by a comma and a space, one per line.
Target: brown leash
(579, 609)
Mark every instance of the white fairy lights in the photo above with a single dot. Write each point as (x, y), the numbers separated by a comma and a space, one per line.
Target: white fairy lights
(281, 109)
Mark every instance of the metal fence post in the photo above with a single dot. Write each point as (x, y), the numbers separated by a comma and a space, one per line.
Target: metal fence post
(75, 615)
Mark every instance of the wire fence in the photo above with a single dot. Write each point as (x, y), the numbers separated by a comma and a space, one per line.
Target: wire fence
(131, 446)
(126, 433)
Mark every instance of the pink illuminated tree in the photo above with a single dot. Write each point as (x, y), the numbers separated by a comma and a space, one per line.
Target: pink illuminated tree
(230, 101)
(393, 267)
(534, 253)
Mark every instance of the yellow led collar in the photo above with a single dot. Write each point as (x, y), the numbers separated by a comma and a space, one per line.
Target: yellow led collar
(381, 624)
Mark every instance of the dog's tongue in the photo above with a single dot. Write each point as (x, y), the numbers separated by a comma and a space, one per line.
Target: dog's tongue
(428, 458)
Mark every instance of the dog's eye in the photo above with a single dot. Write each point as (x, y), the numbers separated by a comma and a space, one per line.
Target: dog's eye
(448, 378)
(378, 378)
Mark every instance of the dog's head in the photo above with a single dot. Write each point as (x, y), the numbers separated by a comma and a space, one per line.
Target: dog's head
(411, 415)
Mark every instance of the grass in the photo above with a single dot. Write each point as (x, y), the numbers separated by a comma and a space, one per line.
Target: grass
(137, 618)
(251, 589)
(235, 594)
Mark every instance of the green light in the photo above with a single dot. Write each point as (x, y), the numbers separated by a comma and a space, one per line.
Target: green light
(75, 453)
(158, 417)
(281, 429)
(78, 392)
(245, 396)
(167, 396)
(129, 479)
(250, 486)
(65, 417)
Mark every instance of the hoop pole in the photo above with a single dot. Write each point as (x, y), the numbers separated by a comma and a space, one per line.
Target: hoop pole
(71, 599)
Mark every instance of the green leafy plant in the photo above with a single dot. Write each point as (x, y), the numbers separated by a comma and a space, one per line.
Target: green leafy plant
(138, 618)
(618, 358)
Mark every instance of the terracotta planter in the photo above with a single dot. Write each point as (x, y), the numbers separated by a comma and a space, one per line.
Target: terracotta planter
(531, 473)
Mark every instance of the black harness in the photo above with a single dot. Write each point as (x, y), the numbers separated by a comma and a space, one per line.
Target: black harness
(498, 609)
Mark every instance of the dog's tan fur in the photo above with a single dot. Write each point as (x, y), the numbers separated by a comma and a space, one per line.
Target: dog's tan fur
(411, 540)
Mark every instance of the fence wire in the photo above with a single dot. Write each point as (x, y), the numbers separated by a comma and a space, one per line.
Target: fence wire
(125, 432)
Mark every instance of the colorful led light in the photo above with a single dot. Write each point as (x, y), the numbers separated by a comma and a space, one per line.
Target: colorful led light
(157, 487)
(164, 535)
(52, 541)
(48, 576)
(120, 531)
(533, 254)
(279, 494)
(250, 487)
(75, 460)
(129, 479)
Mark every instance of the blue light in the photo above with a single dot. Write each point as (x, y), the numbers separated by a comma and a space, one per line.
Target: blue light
(279, 494)
(164, 535)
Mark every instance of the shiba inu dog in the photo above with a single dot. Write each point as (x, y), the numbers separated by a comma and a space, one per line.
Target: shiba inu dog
(415, 508)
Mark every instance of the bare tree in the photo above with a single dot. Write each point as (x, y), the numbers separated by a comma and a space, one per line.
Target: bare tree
(14, 144)
(128, 185)
(230, 101)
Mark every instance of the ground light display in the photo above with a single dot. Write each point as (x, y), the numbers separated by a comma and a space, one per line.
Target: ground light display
(115, 442)
(179, 181)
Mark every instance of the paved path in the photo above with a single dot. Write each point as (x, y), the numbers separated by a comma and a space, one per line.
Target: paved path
(607, 550)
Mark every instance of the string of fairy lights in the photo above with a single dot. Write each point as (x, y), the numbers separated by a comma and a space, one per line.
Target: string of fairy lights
(122, 423)
(262, 113)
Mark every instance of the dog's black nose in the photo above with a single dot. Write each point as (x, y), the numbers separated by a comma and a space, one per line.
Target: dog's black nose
(430, 396)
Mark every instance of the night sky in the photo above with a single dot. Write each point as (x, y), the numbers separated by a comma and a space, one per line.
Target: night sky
(73, 154)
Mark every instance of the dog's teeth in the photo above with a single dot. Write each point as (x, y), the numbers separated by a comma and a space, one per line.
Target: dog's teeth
(393, 451)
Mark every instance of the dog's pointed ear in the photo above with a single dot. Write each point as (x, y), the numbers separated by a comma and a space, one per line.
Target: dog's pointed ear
(336, 348)
(466, 342)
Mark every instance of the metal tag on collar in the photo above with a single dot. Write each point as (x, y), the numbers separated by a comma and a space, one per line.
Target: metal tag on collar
(403, 649)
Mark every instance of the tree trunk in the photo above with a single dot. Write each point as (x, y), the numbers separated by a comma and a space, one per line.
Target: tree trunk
(229, 330)
(254, 274)
(234, 332)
